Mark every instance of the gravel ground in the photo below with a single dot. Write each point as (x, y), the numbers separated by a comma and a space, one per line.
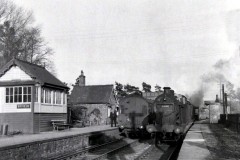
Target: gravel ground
(222, 142)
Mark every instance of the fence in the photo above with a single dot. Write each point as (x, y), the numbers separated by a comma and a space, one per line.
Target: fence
(231, 121)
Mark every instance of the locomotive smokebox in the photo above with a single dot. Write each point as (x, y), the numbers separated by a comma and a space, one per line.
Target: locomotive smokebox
(166, 90)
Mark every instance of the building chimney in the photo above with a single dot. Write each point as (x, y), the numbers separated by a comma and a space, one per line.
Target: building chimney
(217, 99)
(81, 79)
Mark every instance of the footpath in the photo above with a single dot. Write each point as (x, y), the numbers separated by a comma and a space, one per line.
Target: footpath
(206, 141)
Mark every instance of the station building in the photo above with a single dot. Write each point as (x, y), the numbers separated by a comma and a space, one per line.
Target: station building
(30, 97)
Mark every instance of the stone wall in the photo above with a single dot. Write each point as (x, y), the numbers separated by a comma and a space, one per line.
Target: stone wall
(49, 148)
(98, 113)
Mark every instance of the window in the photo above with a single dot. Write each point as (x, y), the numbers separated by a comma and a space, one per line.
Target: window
(47, 96)
(54, 97)
(58, 97)
(18, 94)
(64, 98)
(36, 94)
(9, 95)
(27, 94)
(42, 95)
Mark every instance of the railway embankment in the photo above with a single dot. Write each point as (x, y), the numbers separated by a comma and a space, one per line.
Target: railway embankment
(50, 144)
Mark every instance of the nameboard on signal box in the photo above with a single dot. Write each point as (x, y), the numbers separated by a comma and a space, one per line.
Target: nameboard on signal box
(23, 106)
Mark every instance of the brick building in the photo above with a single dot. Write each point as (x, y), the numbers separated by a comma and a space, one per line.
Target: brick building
(30, 97)
(97, 99)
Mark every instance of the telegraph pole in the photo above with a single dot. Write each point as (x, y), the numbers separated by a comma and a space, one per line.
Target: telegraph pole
(226, 104)
(223, 102)
(220, 95)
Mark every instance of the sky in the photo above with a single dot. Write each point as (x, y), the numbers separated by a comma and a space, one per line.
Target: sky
(168, 42)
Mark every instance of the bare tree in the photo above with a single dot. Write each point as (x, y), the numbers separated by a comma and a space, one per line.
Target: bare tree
(20, 39)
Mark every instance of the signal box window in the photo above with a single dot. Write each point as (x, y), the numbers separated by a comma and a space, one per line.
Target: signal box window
(18, 94)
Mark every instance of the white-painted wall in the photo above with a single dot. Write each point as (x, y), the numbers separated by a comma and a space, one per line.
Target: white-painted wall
(15, 73)
(49, 108)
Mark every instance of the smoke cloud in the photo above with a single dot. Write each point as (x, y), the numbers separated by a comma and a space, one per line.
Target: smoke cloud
(224, 71)
(221, 64)
(213, 77)
(197, 97)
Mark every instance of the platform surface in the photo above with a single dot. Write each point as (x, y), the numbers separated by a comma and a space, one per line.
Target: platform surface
(6, 141)
(194, 146)
(206, 141)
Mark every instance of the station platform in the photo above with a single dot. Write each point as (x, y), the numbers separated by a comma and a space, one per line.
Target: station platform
(206, 141)
(21, 139)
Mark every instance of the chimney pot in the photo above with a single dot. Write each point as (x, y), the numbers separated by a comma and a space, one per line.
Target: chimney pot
(81, 79)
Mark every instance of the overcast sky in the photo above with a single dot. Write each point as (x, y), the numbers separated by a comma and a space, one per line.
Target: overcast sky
(165, 42)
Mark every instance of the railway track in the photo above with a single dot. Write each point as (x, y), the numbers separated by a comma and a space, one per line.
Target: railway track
(164, 152)
(125, 149)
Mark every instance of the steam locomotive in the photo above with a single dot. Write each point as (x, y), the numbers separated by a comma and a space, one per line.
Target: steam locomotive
(173, 114)
(133, 117)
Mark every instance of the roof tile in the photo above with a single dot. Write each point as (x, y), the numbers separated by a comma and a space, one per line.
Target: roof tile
(96, 94)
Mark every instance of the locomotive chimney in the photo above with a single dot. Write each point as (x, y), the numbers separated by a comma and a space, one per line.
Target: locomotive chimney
(217, 99)
(166, 90)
